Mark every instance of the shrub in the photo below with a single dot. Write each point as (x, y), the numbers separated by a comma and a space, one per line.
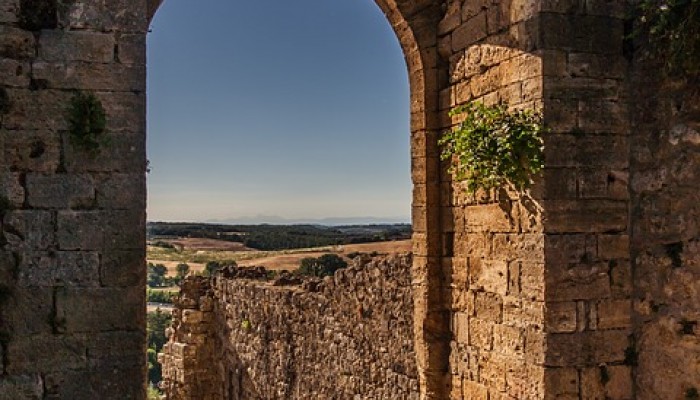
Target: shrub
(672, 28)
(326, 265)
(494, 146)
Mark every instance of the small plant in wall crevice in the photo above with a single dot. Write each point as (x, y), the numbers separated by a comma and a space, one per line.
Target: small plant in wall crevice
(494, 146)
(87, 122)
(671, 29)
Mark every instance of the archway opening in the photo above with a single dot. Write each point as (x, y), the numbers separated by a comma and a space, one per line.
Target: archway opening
(304, 123)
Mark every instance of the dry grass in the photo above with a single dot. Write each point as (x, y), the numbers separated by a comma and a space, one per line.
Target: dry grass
(197, 257)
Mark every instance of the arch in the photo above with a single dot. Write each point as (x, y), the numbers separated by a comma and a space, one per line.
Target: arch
(415, 24)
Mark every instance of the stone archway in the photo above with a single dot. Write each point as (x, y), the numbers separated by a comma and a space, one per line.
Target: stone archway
(516, 296)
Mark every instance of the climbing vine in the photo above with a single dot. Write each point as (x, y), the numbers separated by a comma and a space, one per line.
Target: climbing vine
(493, 146)
(672, 28)
(87, 122)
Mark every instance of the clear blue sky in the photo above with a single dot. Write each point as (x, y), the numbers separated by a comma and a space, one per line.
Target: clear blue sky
(297, 109)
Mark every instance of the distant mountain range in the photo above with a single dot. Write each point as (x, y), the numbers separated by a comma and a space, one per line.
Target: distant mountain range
(330, 221)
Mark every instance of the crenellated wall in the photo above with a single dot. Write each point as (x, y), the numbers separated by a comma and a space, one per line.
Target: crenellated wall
(244, 336)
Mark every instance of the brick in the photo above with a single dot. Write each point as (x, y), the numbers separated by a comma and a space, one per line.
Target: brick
(30, 230)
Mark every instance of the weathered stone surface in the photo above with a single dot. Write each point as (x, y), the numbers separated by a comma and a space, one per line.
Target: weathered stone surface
(29, 229)
(60, 191)
(92, 309)
(76, 46)
(335, 341)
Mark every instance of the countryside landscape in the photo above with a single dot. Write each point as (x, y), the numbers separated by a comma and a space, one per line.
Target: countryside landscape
(178, 250)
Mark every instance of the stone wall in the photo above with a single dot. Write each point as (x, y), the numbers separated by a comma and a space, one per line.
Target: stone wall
(665, 231)
(586, 287)
(72, 270)
(242, 336)
(493, 246)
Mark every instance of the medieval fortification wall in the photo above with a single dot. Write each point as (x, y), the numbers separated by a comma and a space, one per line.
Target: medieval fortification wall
(243, 336)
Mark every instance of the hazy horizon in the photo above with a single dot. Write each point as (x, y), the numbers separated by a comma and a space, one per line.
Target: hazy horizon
(276, 220)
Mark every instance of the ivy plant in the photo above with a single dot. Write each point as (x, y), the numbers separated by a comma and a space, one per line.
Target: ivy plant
(87, 122)
(493, 146)
(672, 28)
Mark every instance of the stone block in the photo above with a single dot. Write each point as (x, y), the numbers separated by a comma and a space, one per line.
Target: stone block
(491, 276)
(562, 382)
(124, 153)
(37, 110)
(581, 33)
(58, 45)
(16, 44)
(45, 353)
(489, 218)
(586, 348)
(561, 317)
(121, 191)
(62, 268)
(532, 280)
(489, 307)
(572, 216)
(8, 11)
(123, 268)
(508, 340)
(60, 191)
(131, 49)
(21, 387)
(613, 247)
(560, 183)
(125, 230)
(14, 73)
(535, 345)
(11, 189)
(28, 311)
(110, 15)
(461, 327)
(620, 385)
(481, 334)
(614, 314)
(470, 32)
(91, 76)
(578, 282)
(116, 349)
(101, 309)
(81, 230)
(32, 151)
